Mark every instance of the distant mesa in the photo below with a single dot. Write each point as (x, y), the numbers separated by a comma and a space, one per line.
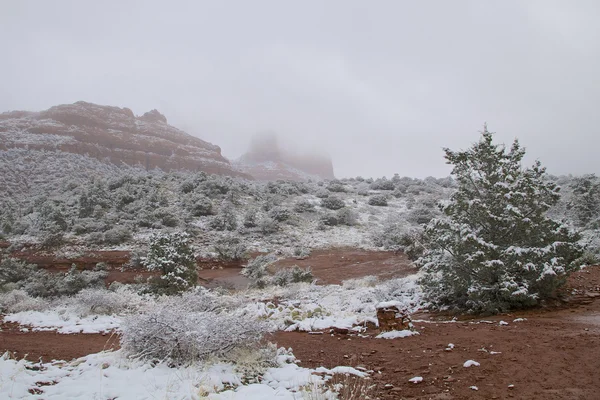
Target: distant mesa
(267, 161)
(113, 134)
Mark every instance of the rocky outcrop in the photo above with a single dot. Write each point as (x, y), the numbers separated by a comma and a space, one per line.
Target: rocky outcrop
(266, 161)
(113, 134)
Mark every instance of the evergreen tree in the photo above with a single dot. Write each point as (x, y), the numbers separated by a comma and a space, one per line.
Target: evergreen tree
(497, 249)
(173, 256)
(586, 199)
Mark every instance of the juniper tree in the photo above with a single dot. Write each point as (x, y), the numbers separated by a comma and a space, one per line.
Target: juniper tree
(497, 249)
(172, 255)
(586, 199)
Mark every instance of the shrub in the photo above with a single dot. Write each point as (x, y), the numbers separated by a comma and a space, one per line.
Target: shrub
(18, 300)
(294, 274)
(117, 235)
(382, 184)
(280, 214)
(322, 193)
(230, 249)
(347, 217)
(303, 206)
(329, 219)
(268, 226)
(256, 270)
(378, 200)
(497, 249)
(251, 218)
(225, 220)
(102, 301)
(182, 337)
(200, 206)
(336, 187)
(173, 256)
(300, 253)
(333, 203)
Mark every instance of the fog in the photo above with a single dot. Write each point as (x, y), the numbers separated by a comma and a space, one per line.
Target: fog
(380, 86)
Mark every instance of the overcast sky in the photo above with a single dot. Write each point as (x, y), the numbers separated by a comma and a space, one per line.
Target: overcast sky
(381, 86)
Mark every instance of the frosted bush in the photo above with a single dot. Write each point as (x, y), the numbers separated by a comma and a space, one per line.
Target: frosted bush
(18, 300)
(102, 301)
(303, 206)
(279, 214)
(182, 337)
(117, 235)
(173, 256)
(333, 203)
(230, 248)
(378, 200)
(295, 274)
(256, 270)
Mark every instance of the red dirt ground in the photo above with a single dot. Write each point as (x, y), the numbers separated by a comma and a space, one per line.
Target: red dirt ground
(554, 354)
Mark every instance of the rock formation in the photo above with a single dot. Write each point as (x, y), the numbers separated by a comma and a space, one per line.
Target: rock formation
(267, 161)
(113, 134)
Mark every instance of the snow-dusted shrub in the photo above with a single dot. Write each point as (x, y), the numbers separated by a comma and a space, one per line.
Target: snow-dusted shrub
(117, 235)
(47, 284)
(378, 200)
(347, 216)
(173, 256)
(295, 274)
(382, 184)
(333, 203)
(13, 270)
(322, 193)
(328, 219)
(256, 270)
(279, 214)
(303, 206)
(225, 220)
(497, 249)
(300, 253)
(251, 218)
(585, 201)
(50, 239)
(421, 215)
(200, 205)
(336, 187)
(102, 301)
(179, 336)
(18, 300)
(356, 283)
(166, 216)
(268, 225)
(230, 248)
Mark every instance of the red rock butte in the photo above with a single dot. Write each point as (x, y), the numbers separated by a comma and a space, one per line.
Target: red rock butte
(113, 134)
(267, 161)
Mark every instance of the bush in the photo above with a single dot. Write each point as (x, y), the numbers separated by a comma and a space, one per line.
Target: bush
(173, 256)
(117, 235)
(382, 184)
(256, 270)
(181, 337)
(347, 217)
(303, 206)
(280, 214)
(333, 203)
(301, 253)
(102, 301)
(225, 220)
(497, 249)
(251, 218)
(200, 206)
(230, 249)
(378, 200)
(294, 274)
(268, 226)
(18, 300)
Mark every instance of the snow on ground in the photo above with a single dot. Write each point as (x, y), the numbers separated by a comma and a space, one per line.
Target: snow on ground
(111, 375)
(396, 334)
(65, 322)
(307, 307)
